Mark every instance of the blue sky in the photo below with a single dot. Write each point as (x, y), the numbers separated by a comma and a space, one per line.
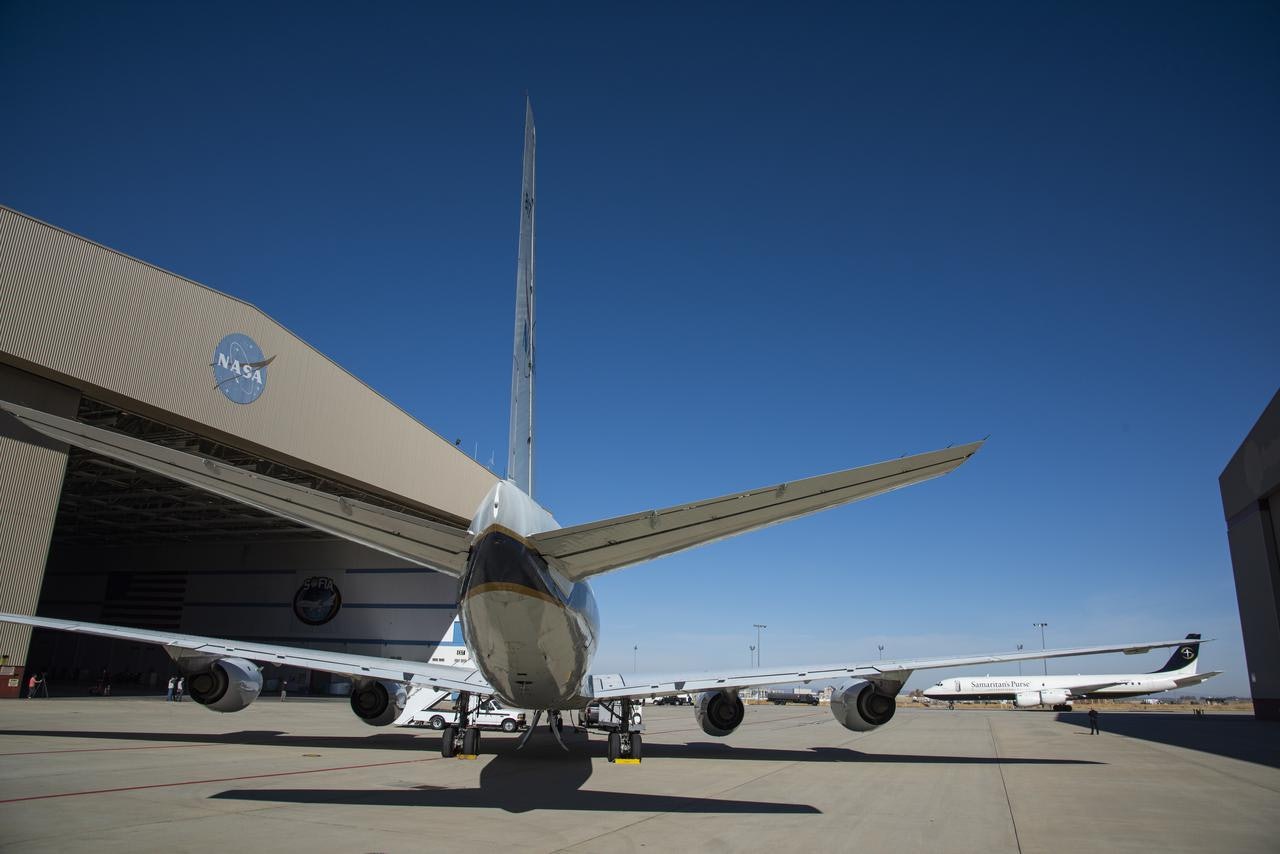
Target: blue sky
(770, 244)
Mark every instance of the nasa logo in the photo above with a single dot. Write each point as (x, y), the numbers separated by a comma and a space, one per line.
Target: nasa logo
(239, 369)
(1188, 653)
(317, 601)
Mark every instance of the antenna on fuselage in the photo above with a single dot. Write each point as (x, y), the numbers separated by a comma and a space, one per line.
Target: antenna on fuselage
(520, 438)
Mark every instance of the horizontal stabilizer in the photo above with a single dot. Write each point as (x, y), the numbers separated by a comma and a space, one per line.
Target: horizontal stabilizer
(586, 550)
(419, 541)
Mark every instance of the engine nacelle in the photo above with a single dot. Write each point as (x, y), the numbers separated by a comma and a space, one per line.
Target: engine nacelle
(377, 702)
(1025, 699)
(225, 684)
(719, 712)
(862, 707)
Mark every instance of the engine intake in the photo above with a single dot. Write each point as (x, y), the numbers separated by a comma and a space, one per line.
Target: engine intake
(719, 712)
(225, 685)
(862, 706)
(377, 702)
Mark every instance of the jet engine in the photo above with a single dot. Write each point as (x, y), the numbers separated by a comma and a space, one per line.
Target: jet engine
(719, 712)
(862, 706)
(1040, 698)
(377, 702)
(224, 684)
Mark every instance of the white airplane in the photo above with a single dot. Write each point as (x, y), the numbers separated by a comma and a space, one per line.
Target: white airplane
(1060, 691)
(528, 614)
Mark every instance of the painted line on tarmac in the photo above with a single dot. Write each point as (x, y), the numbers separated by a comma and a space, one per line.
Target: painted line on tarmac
(216, 780)
(99, 749)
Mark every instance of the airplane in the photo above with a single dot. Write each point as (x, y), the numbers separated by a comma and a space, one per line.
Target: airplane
(528, 613)
(1059, 691)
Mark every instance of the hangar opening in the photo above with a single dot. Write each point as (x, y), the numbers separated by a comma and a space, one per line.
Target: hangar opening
(88, 537)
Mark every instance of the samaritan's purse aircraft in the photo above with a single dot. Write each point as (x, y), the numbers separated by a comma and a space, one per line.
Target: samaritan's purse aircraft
(527, 611)
(1059, 691)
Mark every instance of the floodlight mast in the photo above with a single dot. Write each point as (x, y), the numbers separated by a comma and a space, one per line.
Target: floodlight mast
(1041, 627)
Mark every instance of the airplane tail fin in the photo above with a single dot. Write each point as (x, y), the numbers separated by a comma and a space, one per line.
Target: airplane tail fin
(520, 438)
(1184, 657)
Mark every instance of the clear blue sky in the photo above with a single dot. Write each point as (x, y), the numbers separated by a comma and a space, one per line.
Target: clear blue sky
(771, 244)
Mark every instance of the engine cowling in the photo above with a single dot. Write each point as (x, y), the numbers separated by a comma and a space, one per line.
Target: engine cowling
(1040, 698)
(224, 685)
(719, 712)
(377, 702)
(862, 707)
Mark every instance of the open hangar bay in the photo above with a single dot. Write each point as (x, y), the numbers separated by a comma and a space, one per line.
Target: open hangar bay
(126, 774)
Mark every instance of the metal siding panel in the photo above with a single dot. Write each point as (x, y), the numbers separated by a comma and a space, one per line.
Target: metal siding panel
(101, 319)
(30, 487)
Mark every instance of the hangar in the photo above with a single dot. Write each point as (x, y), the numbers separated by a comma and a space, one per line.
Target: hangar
(90, 333)
(1250, 487)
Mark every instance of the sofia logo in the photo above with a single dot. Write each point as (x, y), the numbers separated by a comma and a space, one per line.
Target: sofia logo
(317, 601)
(239, 368)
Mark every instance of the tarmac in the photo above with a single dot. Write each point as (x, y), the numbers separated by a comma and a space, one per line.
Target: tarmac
(139, 774)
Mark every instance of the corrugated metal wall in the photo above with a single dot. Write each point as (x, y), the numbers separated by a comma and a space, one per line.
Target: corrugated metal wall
(128, 332)
(31, 469)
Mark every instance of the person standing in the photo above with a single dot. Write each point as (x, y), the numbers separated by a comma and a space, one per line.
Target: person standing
(173, 688)
(284, 689)
(1093, 722)
(177, 693)
(31, 686)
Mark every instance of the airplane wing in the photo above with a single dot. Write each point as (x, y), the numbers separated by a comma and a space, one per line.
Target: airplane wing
(1196, 678)
(439, 676)
(586, 550)
(431, 544)
(616, 685)
(1081, 690)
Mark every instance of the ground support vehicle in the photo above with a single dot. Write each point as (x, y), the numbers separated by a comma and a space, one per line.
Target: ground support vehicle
(490, 714)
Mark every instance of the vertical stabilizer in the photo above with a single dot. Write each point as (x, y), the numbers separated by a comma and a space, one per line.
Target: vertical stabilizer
(520, 440)
(1184, 657)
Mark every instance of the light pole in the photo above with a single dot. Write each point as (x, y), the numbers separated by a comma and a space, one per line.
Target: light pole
(1041, 627)
(753, 656)
(880, 647)
(635, 658)
(759, 648)
(1019, 662)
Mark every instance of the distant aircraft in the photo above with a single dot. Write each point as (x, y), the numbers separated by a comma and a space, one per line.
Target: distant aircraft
(528, 614)
(1059, 691)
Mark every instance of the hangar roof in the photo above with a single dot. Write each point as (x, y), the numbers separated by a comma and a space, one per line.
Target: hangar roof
(71, 306)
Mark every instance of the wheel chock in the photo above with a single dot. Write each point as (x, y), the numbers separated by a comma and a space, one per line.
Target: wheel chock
(621, 761)
(466, 756)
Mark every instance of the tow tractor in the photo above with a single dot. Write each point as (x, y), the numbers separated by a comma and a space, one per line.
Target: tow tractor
(623, 721)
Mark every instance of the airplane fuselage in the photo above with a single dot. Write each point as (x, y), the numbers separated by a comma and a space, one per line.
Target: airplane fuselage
(1008, 688)
(531, 631)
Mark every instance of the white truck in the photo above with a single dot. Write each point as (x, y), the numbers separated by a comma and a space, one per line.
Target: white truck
(489, 715)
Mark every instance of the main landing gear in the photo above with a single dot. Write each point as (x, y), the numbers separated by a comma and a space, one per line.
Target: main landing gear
(626, 744)
(463, 738)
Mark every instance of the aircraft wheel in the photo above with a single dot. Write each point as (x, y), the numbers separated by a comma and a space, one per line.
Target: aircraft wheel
(437, 722)
(508, 725)
(471, 741)
(448, 742)
(637, 744)
(615, 746)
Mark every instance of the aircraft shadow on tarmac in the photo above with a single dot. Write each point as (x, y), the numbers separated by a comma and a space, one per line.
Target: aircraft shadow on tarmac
(540, 777)
(1231, 735)
(543, 777)
(504, 746)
